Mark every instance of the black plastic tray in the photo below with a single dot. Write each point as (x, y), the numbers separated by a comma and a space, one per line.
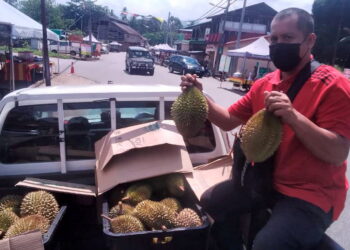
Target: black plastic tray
(54, 225)
(195, 238)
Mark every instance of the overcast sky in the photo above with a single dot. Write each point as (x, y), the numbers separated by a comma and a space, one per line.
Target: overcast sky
(189, 9)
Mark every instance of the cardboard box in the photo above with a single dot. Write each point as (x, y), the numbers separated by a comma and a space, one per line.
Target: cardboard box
(208, 175)
(22, 242)
(129, 154)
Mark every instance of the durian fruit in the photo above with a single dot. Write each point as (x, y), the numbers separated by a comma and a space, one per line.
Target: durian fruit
(155, 215)
(126, 224)
(188, 218)
(28, 223)
(261, 136)
(172, 203)
(190, 111)
(120, 209)
(137, 193)
(11, 201)
(7, 218)
(176, 184)
(40, 202)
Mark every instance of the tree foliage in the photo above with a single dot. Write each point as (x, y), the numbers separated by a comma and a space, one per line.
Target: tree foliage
(332, 24)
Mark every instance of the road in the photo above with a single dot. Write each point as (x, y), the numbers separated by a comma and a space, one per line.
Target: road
(111, 68)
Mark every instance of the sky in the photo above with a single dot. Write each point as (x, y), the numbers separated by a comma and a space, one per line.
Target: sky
(189, 9)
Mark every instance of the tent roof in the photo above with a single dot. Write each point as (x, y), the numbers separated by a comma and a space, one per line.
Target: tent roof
(93, 39)
(258, 49)
(115, 43)
(23, 25)
(163, 46)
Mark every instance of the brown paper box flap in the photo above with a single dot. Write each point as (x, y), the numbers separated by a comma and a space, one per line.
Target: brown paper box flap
(140, 152)
(58, 186)
(32, 240)
(207, 175)
(135, 137)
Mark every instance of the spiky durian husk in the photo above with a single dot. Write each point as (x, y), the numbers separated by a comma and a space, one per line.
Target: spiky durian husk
(28, 223)
(7, 218)
(126, 224)
(190, 111)
(261, 136)
(176, 184)
(172, 203)
(120, 209)
(11, 201)
(188, 218)
(40, 202)
(137, 193)
(155, 215)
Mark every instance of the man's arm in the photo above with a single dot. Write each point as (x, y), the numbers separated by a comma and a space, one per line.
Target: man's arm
(217, 114)
(324, 144)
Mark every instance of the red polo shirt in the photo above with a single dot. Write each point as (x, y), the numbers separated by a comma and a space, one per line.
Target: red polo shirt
(325, 100)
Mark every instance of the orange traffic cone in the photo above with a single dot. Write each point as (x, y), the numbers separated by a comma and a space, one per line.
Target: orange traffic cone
(72, 69)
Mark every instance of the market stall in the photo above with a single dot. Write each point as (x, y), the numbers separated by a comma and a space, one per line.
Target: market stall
(96, 45)
(17, 71)
(162, 52)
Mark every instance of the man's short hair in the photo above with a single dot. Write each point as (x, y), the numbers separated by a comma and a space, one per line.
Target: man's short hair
(305, 20)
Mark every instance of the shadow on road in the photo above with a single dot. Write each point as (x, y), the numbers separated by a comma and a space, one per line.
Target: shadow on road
(236, 91)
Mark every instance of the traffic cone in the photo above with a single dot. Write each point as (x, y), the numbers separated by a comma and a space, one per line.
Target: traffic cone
(72, 69)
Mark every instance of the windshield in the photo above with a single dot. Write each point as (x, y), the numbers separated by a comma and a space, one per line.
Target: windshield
(191, 60)
(140, 54)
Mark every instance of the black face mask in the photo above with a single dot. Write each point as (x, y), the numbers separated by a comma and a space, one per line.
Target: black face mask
(285, 56)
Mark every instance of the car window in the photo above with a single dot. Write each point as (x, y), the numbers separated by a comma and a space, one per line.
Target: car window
(63, 43)
(190, 60)
(85, 123)
(136, 54)
(30, 134)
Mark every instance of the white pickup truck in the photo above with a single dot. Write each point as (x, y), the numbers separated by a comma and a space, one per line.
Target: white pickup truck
(52, 131)
(64, 47)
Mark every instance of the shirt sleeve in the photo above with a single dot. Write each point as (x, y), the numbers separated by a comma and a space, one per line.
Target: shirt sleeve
(243, 108)
(333, 112)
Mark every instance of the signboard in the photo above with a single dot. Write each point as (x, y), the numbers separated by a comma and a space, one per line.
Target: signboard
(225, 62)
(246, 27)
(85, 49)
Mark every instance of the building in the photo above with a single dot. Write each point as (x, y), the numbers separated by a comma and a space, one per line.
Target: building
(208, 34)
(112, 29)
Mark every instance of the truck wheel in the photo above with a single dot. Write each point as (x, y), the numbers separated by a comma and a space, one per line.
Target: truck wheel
(73, 53)
(130, 71)
(171, 70)
(151, 72)
(54, 51)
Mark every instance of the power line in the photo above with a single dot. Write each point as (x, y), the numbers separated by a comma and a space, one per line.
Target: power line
(206, 14)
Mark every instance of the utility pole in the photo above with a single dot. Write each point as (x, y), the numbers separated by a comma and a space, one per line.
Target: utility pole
(167, 29)
(222, 38)
(45, 48)
(238, 40)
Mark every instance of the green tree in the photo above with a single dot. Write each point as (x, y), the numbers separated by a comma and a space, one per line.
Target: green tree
(14, 3)
(332, 23)
(123, 15)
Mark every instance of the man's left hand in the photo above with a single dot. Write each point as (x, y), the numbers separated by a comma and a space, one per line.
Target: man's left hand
(280, 105)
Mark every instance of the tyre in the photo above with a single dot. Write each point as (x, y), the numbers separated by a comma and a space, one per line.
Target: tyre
(130, 71)
(73, 53)
(54, 51)
(171, 70)
(151, 72)
(183, 72)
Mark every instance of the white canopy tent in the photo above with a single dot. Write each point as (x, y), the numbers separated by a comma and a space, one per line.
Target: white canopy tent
(22, 25)
(257, 50)
(164, 46)
(93, 39)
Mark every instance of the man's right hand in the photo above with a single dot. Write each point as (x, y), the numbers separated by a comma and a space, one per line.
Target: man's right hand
(190, 80)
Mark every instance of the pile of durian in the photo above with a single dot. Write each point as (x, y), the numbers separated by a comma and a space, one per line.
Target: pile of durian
(18, 214)
(152, 204)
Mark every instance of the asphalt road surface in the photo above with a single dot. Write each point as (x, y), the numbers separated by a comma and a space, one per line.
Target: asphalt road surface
(111, 68)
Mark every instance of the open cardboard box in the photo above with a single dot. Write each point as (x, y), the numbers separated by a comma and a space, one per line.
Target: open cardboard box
(21, 242)
(141, 152)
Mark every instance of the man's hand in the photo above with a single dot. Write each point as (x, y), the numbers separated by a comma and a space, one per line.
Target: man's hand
(190, 80)
(280, 105)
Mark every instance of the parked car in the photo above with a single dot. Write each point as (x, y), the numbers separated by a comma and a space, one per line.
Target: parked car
(64, 47)
(139, 59)
(184, 65)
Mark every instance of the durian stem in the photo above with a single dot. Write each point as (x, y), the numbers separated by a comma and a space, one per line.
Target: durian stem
(106, 217)
(126, 198)
(181, 188)
(164, 228)
(120, 204)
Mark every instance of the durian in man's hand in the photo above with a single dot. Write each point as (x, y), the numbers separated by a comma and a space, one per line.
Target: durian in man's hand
(190, 111)
(261, 136)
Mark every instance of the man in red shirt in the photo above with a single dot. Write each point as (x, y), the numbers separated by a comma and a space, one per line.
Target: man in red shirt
(310, 164)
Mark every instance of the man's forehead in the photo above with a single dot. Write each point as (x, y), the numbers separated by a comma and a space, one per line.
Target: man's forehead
(285, 24)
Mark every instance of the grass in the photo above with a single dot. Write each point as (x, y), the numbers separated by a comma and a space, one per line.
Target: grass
(38, 52)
